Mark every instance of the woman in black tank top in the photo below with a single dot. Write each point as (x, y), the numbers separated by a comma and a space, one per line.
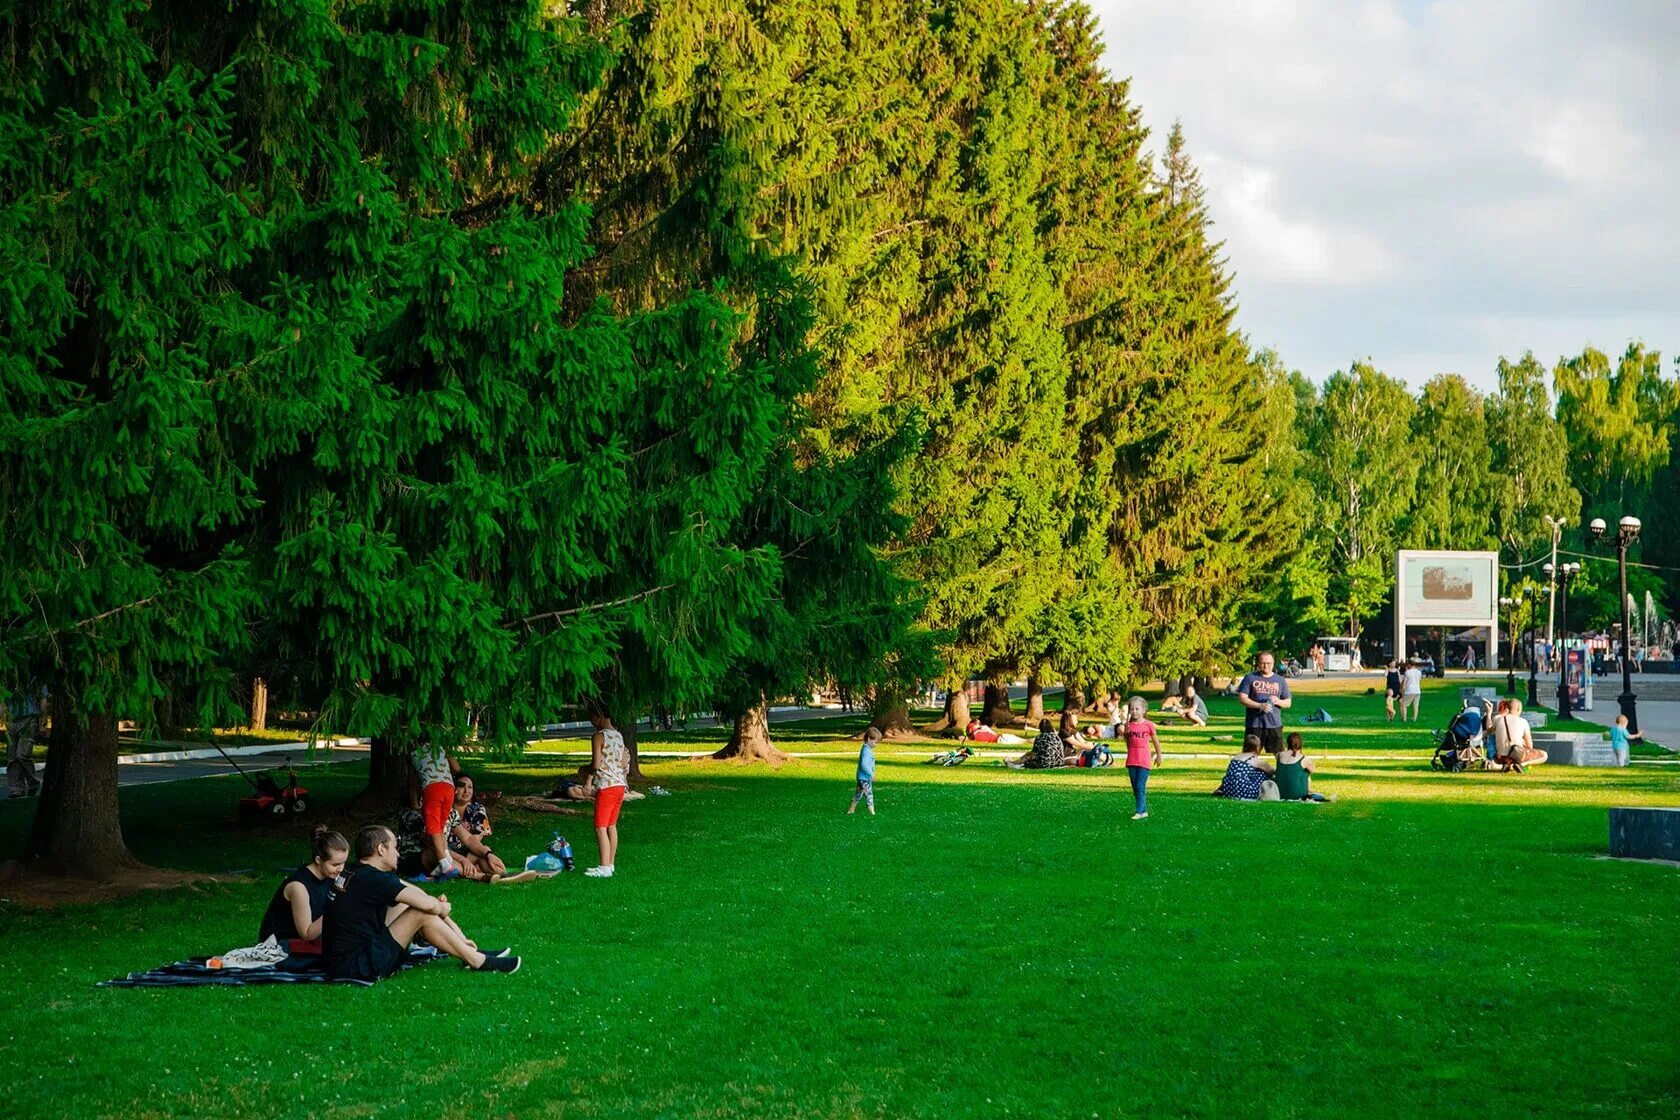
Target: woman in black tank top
(294, 913)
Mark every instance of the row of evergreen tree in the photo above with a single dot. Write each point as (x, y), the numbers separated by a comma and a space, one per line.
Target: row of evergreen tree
(455, 361)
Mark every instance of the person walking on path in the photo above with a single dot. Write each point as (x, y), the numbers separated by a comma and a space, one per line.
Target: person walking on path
(23, 725)
(1264, 695)
(866, 771)
(612, 779)
(1411, 692)
(1143, 750)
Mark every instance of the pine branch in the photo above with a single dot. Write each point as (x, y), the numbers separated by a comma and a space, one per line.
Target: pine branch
(590, 607)
(114, 610)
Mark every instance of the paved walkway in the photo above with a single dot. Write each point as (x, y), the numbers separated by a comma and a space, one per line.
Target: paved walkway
(1659, 719)
(147, 773)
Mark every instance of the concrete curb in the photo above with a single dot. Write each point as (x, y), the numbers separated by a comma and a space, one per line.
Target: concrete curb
(238, 752)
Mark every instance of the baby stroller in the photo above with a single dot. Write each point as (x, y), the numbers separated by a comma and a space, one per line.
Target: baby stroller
(1462, 743)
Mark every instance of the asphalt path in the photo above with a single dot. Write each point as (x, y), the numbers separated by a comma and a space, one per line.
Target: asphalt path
(147, 773)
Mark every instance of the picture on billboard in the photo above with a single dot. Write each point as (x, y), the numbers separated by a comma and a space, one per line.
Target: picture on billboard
(1447, 586)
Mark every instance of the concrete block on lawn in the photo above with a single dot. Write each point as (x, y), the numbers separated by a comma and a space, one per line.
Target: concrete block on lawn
(1567, 747)
(1592, 754)
(1645, 833)
(1535, 719)
(1477, 692)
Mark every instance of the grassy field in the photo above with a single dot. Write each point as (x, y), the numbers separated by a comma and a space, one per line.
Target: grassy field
(994, 943)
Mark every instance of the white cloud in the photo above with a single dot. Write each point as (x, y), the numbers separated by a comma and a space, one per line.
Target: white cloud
(1280, 248)
(1426, 182)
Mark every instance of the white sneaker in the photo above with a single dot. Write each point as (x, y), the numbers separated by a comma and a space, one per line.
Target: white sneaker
(1139, 816)
(599, 872)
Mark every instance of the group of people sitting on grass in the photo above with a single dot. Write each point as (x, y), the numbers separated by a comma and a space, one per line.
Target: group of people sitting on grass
(361, 918)
(1286, 776)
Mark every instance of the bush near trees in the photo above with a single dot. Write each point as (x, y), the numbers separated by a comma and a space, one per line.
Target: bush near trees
(465, 361)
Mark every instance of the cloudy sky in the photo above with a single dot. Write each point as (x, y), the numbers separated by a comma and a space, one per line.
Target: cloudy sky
(1427, 184)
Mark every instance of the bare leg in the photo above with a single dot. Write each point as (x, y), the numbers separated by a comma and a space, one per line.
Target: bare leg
(441, 932)
(612, 845)
(603, 842)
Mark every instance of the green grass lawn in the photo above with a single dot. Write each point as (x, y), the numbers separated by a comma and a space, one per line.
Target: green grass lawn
(994, 943)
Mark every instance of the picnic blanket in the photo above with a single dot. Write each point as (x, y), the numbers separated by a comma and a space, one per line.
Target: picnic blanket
(195, 972)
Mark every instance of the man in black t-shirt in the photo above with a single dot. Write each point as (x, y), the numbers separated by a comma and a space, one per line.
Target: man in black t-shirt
(372, 921)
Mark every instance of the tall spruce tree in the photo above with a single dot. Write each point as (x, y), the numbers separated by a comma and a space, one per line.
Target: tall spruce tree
(122, 472)
(986, 362)
(1199, 528)
(547, 509)
(729, 133)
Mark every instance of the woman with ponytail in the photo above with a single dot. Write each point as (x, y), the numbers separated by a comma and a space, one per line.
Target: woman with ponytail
(294, 913)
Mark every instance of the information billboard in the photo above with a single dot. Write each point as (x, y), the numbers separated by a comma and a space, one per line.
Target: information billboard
(1439, 588)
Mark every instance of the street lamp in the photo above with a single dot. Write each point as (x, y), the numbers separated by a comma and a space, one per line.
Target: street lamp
(1627, 531)
(1510, 603)
(1564, 572)
(1534, 596)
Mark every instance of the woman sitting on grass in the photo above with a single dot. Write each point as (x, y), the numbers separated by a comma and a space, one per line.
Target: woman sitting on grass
(1073, 741)
(1294, 772)
(294, 913)
(1047, 752)
(468, 824)
(1245, 772)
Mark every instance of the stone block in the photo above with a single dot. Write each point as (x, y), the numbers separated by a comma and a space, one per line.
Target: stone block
(1592, 754)
(1645, 833)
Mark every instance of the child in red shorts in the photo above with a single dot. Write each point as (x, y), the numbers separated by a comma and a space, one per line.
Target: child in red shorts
(437, 797)
(612, 778)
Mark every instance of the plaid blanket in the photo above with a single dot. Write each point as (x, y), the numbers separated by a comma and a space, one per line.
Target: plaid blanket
(196, 972)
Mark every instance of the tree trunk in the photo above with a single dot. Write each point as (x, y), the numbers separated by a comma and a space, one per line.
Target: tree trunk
(1073, 700)
(1172, 686)
(889, 711)
(749, 737)
(625, 720)
(997, 711)
(388, 770)
(1035, 701)
(77, 829)
(956, 717)
(259, 705)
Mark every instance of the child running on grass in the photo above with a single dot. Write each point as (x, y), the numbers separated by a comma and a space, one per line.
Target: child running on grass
(1141, 744)
(1621, 739)
(866, 771)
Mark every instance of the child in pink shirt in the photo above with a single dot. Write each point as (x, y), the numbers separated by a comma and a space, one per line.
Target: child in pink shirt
(1143, 748)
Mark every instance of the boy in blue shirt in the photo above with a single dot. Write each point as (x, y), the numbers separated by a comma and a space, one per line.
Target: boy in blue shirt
(1620, 740)
(866, 772)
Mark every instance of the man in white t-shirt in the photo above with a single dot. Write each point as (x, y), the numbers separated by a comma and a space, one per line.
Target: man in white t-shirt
(1514, 740)
(1411, 691)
